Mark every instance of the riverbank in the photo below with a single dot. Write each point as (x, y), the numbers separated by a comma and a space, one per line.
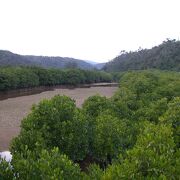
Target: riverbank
(36, 90)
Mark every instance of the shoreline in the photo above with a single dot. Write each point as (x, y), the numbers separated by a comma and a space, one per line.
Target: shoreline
(37, 90)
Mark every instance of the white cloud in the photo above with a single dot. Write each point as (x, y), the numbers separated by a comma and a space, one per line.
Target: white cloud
(86, 29)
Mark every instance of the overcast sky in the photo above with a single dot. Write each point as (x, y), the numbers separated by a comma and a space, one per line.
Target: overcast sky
(87, 29)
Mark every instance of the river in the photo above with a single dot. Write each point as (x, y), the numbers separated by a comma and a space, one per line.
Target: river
(13, 110)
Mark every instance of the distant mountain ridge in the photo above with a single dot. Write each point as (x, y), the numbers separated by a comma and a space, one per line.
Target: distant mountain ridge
(91, 62)
(100, 65)
(8, 58)
(96, 64)
(166, 56)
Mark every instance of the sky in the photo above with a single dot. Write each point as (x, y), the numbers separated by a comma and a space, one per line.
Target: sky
(94, 30)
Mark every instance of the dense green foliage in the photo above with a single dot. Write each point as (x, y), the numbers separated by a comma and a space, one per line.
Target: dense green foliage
(48, 165)
(166, 56)
(56, 123)
(25, 77)
(8, 58)
(133, 135)
(152, 157)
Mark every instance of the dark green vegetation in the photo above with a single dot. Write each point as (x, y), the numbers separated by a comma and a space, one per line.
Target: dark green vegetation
(133, 135)
(166, 56)
(8, 58)
(26, 77)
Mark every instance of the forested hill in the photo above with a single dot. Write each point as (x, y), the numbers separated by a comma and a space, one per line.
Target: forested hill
(166, 56)
(8, 58)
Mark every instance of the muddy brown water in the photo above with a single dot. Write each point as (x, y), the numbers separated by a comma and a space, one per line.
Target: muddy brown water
(13, 110)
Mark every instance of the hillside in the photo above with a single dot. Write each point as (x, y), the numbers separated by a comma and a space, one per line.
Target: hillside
(166, 56)
(8, 58)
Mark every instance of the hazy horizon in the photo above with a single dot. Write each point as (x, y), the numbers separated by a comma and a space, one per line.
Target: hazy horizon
(95, 30)
(87, 60)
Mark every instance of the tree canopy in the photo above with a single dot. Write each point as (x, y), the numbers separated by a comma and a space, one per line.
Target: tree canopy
(27, 77)
(132, 135)
(166, 56)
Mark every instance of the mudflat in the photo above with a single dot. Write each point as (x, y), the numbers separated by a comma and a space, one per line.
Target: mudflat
(13, 110)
